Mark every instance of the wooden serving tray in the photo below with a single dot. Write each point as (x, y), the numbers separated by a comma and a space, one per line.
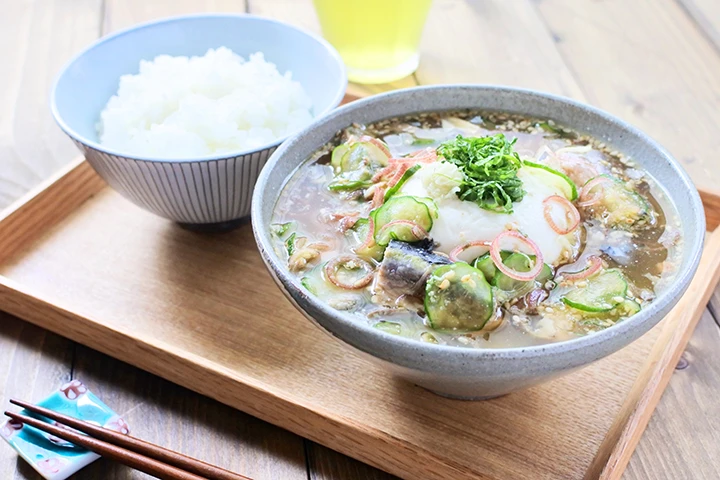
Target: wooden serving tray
(201, 311)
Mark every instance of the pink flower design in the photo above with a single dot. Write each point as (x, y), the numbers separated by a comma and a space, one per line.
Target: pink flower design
(73, 390)
(10, 428)
(118, 424)
(51, 465)
(59, 441)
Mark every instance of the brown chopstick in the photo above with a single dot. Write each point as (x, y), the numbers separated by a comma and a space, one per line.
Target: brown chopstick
(108, 450)
(145, 456)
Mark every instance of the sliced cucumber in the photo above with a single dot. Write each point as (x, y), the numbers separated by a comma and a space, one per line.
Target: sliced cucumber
(629, 307)
(430, 204)
(363, 156)
(417, 141)
(309, 284)
(510, 288)
(355, 165)
(602, 293)
(389, 327)
(517, 261)
(486, 265)
(359, 231)
(342, 183)
(550, 127)
(621, 207)
(316, 283)
(522, 263)
(408, 173)
(280, 229)
(290, 244)
(400, 208)
(553, 177)
(545, 275)
(337, 155)
(457, 297)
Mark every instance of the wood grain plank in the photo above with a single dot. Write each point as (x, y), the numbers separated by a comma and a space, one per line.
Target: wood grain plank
(492, 42)
(682, 440)
(121, 14)
(36, 38)
(169, 415)
(326, 464)
(714, 306)
(30, 215)
(33, 363)
(646, 62)
(711, 201)
(706, 14)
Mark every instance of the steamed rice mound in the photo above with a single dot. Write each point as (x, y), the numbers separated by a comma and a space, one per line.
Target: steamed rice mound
(183, 107)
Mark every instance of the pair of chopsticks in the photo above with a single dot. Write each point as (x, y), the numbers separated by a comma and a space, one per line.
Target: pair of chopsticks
(133, 452)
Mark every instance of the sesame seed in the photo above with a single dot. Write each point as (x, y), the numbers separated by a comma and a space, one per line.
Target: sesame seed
(449, 275)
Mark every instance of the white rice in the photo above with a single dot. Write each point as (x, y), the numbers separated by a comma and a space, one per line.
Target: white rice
(179, 107)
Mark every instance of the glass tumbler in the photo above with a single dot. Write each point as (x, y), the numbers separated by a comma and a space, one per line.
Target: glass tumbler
(377, 39)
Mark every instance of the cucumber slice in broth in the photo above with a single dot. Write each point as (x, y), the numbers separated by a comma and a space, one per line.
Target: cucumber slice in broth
(408, 173)
(337, 154)
(457, 297)
(359, 232)
(554, 177)
(603, 292)
(486, 265)
(623, 207)
(400, 208)
(361, 156)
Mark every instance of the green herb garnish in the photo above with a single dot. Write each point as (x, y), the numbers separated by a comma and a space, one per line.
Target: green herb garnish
(490, 168)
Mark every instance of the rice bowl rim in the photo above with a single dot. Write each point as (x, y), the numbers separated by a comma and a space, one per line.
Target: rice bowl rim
(329, 49)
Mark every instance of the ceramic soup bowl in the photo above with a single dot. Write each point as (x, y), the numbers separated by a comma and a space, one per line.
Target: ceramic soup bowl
(473, 373)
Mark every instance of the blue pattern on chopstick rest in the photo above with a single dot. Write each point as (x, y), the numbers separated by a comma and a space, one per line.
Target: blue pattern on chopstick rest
(53, 458)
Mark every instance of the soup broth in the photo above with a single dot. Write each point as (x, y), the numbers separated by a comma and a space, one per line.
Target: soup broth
(477, 229)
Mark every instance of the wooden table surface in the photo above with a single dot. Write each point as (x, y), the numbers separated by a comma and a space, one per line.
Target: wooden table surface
(655, 63)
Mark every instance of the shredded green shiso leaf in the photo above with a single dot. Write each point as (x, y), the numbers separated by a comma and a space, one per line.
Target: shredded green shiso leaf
(490, 167)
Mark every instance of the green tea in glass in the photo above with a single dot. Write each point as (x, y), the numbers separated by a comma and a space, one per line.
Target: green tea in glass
(377, 39)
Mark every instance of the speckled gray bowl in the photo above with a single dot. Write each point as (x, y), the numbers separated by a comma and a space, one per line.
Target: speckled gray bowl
(466, 372)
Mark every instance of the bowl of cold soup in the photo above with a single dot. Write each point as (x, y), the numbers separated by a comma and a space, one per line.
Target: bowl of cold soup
(477, 240)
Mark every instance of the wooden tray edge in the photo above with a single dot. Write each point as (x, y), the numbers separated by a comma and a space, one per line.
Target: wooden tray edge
(337, 432)
(59, 196)
(46, 205)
